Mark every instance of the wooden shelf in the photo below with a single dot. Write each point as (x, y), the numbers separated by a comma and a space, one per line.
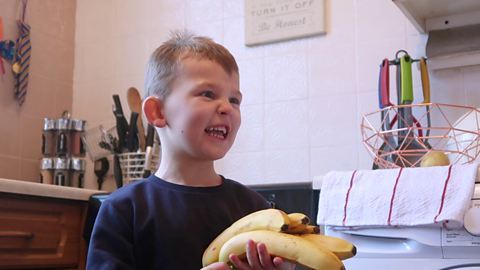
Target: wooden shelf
(428, 15)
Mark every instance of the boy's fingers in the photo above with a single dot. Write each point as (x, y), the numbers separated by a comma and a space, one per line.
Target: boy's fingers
(264, 256)
(238, 263)
(217, 266)
(283, 265)
(252, 254)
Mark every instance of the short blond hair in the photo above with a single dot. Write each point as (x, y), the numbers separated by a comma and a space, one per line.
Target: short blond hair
(166, 60)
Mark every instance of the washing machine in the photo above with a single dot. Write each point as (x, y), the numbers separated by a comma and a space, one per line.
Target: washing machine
(416, 248)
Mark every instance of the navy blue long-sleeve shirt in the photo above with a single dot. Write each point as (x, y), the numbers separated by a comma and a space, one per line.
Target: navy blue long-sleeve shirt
(154, 224)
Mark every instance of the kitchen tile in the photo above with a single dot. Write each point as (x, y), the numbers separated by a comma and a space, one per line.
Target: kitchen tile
(43, 54)
(251, 135)
(131, 17)
(9, 9)
(203, 11)
(252, 79)
(96, 95)
(128, 61)
(287, 166)
(233, 9)
(234, 40)
(63, 98)
(167, 15)
(246, 168)
(55, 18)
(31, 137)
(368, 114)
(9, 132)
(8, 100)
(365, 158)
(286, 125)
(30, 170)
(285, 77)
(64, 68)
(333, 158)
(369, 58)
(10, 26)
(286, 47)
(95, 21)
(40, 97)
(9, 167)
(91, 68)
(378, 20)
(334, 121)
(332, 72)
(340, 26)
(212, 29)
(472, 81)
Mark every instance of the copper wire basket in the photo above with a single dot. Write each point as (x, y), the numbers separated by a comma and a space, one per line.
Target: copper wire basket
(405, 145)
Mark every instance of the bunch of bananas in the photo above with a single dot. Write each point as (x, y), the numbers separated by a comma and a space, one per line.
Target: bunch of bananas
(287, 236)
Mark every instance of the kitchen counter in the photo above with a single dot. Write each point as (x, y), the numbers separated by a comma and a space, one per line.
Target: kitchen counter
(44, 190)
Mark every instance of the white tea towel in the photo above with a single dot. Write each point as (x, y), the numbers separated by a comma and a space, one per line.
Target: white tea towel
(431, 196)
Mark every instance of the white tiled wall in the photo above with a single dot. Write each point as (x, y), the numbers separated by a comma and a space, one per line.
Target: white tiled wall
(304, 99)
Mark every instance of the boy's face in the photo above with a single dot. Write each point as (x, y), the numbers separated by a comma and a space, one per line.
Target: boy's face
(202, 110)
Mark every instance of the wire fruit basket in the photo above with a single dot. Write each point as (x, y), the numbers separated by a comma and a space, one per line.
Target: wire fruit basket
(405, 145)
(133, 165)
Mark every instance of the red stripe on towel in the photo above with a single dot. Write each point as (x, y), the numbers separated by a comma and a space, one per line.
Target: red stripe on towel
(393, 196)
(346, 200)
(443, 195)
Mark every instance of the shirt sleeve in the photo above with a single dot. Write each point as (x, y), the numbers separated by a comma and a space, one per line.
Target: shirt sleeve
(111, 244)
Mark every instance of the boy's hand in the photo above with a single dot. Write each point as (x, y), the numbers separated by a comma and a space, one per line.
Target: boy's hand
(258, 258)
(217, 266)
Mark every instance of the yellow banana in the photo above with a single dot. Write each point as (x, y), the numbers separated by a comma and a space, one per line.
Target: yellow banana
(311, 229)
(342, 248)
(290, 247)
(298, 222)
(269, 219)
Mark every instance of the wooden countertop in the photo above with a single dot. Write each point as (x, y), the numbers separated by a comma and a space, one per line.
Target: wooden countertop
(45, 190)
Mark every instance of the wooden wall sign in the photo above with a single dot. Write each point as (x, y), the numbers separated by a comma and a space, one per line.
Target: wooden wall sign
(268, 21)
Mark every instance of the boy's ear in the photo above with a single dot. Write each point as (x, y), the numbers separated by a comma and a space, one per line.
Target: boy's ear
(153, 110)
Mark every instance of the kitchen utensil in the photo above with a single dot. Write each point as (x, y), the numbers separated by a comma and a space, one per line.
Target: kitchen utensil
(132, 138)
(135, 103)
(426, 96)
(101, 167)
(117, 171)
(148, 155)
(385, 93)
(122, 125)
(383, 99)
(413, 151)
(99, 142)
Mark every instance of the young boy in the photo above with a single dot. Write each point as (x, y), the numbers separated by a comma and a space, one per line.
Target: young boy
(168, 220)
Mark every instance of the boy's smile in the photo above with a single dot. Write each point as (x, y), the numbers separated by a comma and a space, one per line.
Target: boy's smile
(202, 111)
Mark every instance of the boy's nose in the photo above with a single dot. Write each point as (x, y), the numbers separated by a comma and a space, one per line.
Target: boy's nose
(225, 107)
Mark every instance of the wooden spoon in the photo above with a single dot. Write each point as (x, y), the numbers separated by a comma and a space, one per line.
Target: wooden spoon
(135, 103)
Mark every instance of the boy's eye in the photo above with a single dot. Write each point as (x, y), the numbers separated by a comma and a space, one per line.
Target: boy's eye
(234, 100)
(207, 94)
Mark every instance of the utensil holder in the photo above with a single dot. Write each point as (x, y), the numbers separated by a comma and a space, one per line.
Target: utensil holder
(98, 142)
(133, 165)
(460, 144)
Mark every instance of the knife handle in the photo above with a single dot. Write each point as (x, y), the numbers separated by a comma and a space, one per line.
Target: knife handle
(118, 104)
(117, 171)
(132, 132)
(425, 80)
(385, 83)
(406, 79)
